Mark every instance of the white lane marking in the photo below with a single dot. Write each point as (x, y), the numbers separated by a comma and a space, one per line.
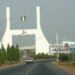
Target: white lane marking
(32, 67)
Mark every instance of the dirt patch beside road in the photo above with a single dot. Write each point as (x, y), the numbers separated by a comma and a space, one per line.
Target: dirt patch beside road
(66, 66)
(5, 66)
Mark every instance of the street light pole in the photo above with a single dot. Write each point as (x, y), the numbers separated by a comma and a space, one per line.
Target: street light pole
(57, 48)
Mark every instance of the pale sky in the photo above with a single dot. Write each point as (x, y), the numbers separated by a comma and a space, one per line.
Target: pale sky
(57, 16)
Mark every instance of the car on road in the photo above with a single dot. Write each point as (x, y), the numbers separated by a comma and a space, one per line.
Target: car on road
(29, 60)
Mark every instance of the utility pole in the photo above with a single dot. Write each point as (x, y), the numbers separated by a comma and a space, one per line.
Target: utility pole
(57, 47)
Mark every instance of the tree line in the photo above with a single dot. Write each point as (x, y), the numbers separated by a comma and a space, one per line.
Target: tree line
(42, 56)
(10, 55)
(67, 57)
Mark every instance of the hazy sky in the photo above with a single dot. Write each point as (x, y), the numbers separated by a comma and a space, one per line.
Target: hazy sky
(57, 16)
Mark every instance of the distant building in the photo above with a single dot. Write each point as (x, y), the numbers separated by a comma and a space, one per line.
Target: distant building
(26, 51)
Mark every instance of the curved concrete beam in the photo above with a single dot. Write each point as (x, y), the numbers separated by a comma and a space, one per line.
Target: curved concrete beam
(7, 38)
(42, 45)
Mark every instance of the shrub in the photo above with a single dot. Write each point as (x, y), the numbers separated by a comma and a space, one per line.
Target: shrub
(63, 57)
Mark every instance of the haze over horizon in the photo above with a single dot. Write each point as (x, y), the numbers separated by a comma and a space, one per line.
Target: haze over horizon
(57, 16)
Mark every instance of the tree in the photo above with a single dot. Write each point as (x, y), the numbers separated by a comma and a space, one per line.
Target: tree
(63, 57)
(13, 53)
(3, 54)
(0, 57)
(17, 53)
(8, 53)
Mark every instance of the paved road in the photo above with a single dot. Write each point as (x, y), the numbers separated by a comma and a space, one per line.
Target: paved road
(38, 68)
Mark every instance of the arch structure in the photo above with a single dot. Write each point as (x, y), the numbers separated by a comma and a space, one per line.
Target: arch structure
(42, 45)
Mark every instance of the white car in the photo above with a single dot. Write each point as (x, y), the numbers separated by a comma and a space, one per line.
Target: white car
(29, 60)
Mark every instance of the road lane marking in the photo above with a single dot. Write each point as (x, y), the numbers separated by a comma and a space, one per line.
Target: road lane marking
(32, 67)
